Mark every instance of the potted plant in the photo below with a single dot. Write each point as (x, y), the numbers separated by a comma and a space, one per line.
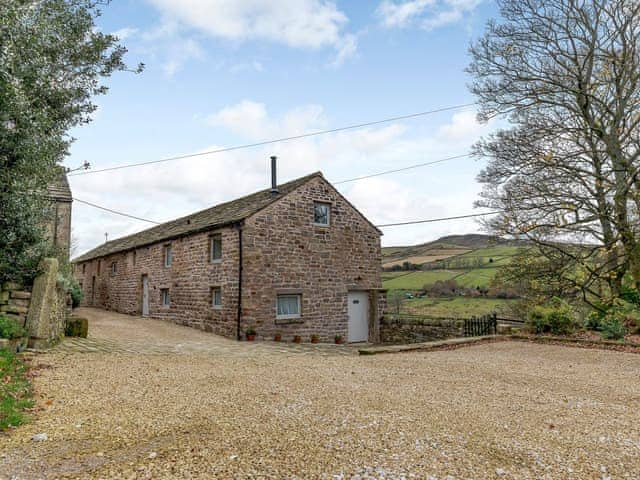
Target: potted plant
(250, 333)
(277, 337)
(13, 336)
(297, 339)
(338, 339)
(315, 338)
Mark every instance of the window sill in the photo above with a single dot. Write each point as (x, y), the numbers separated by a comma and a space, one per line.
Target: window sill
(322, 225)
(216, 307)
(288, 320)
(217, 260)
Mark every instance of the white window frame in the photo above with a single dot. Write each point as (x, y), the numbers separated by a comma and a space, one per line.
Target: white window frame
(168, 255)
(214, 305)
(298, 297)
(212, 239)
(324, 204)
(165, 297)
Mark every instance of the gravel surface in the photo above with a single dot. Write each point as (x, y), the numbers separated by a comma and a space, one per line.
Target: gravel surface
(503, 410)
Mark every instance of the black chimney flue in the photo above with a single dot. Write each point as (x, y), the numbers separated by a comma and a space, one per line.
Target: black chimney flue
(274, 178)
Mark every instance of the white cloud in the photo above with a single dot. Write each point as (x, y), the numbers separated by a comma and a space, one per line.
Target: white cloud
(307, 24)
(125, 33)
(427, 14)
(165, 191)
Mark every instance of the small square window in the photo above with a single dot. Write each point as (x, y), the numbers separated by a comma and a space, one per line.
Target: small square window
(216, 297)
(288, 306)
(215, 248)
(321, 213)
(168, 256)
(165, 297)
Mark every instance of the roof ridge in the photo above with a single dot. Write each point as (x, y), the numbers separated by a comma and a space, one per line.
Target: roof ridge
(171, 228)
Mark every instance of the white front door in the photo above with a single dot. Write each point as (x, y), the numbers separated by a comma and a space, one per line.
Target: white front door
(358, 310)
(145, 296)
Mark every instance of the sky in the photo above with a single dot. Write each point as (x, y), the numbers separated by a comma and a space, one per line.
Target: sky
(221, 73)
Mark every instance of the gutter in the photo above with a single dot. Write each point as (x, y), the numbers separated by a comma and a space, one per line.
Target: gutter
(239, 228)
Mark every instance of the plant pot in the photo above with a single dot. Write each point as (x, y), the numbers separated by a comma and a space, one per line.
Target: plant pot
(297, 339)
(251, 338)
(315, 340)
(277, 337)
(339, 340)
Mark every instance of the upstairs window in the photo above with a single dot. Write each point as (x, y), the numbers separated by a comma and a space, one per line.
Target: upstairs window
(215, 248)
(114, 268)
(84, 268)
(321, 213)
(216, 297)
(288, 306)
(165, 297)
(168, 256)
(99, 266)
(133, 258)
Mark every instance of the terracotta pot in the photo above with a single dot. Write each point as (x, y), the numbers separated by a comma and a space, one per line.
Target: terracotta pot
(339, 340)
(277, 337)
(251, 338)
(315, 340)
(297, 339)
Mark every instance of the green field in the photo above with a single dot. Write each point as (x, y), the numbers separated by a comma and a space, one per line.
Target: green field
(455, 307)
(416, 280)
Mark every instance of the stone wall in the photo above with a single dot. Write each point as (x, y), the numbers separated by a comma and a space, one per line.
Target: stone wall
(43, 310)
(399, 329)
(14, 302)
(189, 280)
(283, 252)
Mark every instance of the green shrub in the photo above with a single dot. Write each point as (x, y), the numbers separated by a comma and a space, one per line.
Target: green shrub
(613, 329)
(630, 295)
(15, 390)
(71, 286)
(10, 328)
(76, 327)
(558, 317)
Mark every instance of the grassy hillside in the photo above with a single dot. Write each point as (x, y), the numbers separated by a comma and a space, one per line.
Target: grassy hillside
(472, 260)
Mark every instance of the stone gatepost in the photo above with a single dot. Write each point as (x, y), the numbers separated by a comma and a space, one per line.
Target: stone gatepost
(47, 313)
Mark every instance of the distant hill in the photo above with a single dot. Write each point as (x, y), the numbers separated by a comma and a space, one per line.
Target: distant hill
(443, 248)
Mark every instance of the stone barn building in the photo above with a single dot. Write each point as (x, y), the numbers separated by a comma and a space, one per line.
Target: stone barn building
(296, 259)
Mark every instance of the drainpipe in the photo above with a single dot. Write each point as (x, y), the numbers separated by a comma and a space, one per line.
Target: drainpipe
(239, 228)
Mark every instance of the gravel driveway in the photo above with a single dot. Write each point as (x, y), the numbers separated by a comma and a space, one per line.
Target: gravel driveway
(502, 410)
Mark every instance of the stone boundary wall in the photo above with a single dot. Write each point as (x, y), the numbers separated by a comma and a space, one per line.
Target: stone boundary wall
(43, 310)
(14, 302)
(399, 329)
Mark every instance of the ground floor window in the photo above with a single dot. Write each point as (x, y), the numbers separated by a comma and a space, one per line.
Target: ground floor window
(216, 297)
(165, 297)
(288, 306)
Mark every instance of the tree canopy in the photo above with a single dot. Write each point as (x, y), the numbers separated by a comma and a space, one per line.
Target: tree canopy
(566, 173)
(53, 61)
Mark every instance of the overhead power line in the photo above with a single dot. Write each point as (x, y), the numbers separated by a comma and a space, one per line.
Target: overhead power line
(410, 167)
(277, 140)
(413, 222)
(115, 211)
(430, 220)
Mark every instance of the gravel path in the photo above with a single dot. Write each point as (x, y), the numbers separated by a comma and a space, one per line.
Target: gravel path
(503, 410)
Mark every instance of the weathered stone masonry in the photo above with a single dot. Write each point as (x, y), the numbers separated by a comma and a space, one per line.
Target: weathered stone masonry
(282, 252)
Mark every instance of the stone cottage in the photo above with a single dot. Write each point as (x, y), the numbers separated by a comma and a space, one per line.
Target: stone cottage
(296, 259)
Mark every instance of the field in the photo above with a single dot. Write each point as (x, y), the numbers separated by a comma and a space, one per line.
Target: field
(471, 260)
(455, 307)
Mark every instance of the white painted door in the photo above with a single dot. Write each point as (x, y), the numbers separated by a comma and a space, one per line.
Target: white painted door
(145, 296)
(358, 310)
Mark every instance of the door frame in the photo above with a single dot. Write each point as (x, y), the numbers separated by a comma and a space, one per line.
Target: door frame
(367, 314)
(144, 300)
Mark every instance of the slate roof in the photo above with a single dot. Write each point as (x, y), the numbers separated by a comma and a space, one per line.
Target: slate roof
(217, 216)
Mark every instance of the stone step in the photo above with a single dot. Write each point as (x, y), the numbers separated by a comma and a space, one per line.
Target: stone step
(11, 286)
(4, 297)
(21, 294)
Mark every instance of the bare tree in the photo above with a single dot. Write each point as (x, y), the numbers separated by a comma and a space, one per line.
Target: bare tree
(566, 174)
